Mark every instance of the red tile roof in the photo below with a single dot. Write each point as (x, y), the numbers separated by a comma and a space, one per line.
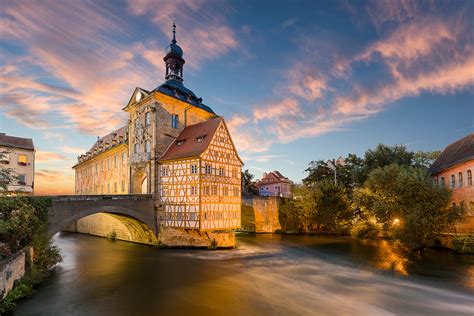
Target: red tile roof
(187, 145)
(16, 142)
(273, 177)
(457, 152)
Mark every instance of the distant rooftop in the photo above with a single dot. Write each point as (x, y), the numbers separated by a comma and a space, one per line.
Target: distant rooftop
(455, 153)
(16, 142)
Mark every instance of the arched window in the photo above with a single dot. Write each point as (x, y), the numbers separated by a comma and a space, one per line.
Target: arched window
(147, 146)
(469, 177)
(453, 181)
(460, 179)
(147, 119)
(442, 181)
(136, 147)
(174, 120)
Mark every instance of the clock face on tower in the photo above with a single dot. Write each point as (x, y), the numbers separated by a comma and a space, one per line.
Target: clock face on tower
(138, 96)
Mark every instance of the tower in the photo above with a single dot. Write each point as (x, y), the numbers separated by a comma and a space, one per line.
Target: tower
(174, 60)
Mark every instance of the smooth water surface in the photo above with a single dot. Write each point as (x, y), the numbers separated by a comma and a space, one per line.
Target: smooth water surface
(267, 275)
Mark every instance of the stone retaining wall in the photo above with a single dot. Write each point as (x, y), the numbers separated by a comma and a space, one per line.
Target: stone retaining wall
(11, 269)
(260, 214)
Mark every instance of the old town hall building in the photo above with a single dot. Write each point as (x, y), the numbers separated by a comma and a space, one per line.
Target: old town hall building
(173, 146)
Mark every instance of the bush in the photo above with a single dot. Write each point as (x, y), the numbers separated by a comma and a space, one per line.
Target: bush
(366, 228)
(409, 205)
(112, 235)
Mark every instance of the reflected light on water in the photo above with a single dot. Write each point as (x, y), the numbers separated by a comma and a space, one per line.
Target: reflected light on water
(390, 259)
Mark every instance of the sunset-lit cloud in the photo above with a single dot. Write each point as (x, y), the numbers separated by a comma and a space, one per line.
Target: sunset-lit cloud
(277, 76)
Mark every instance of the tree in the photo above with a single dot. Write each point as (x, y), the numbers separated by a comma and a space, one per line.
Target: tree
(317, 171)
(384, 155)
(248, 186)
(333, 207)
(424, 159)
(297, 214)
(411, 207)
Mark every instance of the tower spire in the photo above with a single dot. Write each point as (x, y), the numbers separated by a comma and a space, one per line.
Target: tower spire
(174, 33)
(174, 60)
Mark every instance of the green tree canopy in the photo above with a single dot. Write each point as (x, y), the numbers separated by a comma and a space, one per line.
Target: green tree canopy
(384, 155)
(248, 186)
(412, 208)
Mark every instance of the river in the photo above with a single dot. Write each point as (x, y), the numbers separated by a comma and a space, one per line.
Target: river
(266, 275)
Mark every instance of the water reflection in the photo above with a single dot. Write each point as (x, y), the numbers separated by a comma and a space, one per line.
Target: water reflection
(267, 275)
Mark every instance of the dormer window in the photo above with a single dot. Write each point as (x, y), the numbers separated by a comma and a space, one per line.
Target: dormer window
(180, 142)
(200, 138)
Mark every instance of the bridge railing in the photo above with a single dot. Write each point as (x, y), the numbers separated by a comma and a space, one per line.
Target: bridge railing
(103, 197)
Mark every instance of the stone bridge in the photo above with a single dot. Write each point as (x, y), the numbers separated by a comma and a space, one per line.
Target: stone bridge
(67, 209)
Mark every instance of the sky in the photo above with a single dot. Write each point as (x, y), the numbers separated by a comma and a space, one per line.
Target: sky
(295, 80)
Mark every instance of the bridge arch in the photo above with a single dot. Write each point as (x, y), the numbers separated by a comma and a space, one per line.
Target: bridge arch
(133, 210)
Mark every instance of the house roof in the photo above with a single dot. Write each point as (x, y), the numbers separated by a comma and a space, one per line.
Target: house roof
(187, 144)
(16, 142)
(273, 177)
(106, 142)
(455, 153)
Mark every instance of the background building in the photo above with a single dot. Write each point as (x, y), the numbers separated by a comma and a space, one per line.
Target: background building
(274, 184)
(18, 154)
(454, 168)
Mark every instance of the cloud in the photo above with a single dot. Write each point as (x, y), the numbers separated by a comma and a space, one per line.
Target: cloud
(205, 35)
(46, 156)
(428, 54)
(73, 150)
(53, 182)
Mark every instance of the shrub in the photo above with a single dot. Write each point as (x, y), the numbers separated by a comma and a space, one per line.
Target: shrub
(366, 228)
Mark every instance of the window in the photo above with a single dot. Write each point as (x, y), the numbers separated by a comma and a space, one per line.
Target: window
(236, 191)
(442, 181)
(179, 142)
(22, 179)
(164, 171)
(206, 190)
(469, 177)
(96, 168)
(124, 158)
(460, 179)
(115, 186)
(4, 158)
(200, 139)
(214, 190)
(221, 171)
(147, 146)
(136, 147)
(226, 191)
(22, 160)
(147, 119)
(453, 181)
(208, 169)
(123, 186)
(174, 120)
(194, 169)
(115, 161)
(234, 173)
(193, 190)
(108, 187)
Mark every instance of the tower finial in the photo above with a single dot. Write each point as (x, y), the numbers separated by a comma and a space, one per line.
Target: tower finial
(174, 33)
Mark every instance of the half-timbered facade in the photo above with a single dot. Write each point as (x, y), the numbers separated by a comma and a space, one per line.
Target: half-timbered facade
(200, 179)
(176, 148)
